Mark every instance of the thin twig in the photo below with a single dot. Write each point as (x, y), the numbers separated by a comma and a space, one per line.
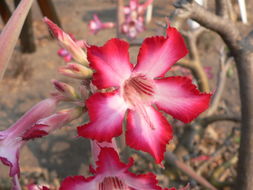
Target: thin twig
(224, 66)
(171, 159)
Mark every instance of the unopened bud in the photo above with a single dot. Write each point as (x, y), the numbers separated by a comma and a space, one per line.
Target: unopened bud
(65, 89)
(67, 42)
(77, 71)
(55, 121)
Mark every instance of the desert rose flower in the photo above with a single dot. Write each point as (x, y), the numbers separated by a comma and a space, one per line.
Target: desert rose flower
(111, 174)
(134, 21)
(11, 139)
(134, 5)
(95, 25)
(131, 27)
(139, 92)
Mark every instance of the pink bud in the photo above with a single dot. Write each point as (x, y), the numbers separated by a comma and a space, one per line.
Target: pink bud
(77, 71)
(53, 122)
(67, 42)
(65, 89)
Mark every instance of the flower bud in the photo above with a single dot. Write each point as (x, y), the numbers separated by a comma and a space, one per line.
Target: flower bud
(65, 89)
(75, 70)
(55, 121)
(67, 42)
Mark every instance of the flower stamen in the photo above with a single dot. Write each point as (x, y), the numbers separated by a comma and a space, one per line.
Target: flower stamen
(113, 183)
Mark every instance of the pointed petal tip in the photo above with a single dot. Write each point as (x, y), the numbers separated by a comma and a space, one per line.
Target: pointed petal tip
(180, 98)
(105, 60)
(140, 136)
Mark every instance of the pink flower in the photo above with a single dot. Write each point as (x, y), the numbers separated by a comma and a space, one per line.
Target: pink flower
(11, 139)
(131, 27)
(111, 174)
(134, 5)
(139, 91)
(96, 25)
(134, 21)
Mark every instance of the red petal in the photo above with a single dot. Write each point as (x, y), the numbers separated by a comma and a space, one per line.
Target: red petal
(96, 149)
(148, 134)
(111, 63)
(77, 183)
(109, 163)
(180, 98)
(106, 111)
(158, 54)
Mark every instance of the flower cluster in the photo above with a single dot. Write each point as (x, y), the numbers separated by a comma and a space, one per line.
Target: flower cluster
(133, 20)
(139, 93)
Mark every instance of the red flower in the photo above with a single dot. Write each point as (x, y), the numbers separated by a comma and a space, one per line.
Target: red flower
(139, 92)
(111, 174)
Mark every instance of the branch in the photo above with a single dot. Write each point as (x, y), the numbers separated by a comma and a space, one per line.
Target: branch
(221, 8)
(172, 159)
(224, 66)
(224, 27)
(214, 118)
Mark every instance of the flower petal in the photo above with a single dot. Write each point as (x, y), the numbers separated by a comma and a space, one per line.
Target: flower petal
(106, 111)
(96, 149)
(141, 182)
(111, 63)
(9, 154)
(158, 54)
(148, 134)
(78, 183)
(180, 98)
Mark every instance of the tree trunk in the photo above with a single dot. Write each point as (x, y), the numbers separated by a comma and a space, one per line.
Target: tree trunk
(244, 63)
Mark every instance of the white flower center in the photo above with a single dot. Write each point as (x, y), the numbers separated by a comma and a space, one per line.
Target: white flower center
(138, 89)
(138, 92)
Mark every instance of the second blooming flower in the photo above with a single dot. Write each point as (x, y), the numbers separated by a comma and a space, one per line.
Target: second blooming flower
(139, 92)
